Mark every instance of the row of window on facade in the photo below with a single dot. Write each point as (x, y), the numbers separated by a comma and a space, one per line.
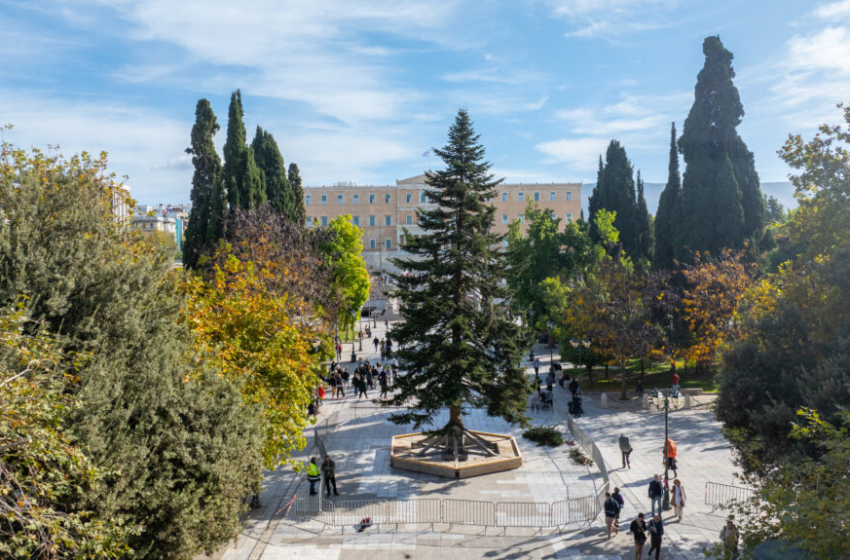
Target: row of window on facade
(340, 199)
(506, 219)
(373, 220)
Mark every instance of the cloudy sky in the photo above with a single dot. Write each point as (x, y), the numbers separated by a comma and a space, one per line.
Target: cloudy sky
(357, 90)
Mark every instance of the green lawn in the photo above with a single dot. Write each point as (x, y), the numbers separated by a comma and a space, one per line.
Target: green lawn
(656, 376)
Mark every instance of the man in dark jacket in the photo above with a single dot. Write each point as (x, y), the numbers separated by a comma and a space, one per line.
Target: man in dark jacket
(612, 510)
(655, 494)
(329, 471)
(656, 530)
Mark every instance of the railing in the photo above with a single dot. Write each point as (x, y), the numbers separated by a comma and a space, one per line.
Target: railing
(724, 495)
(446, 511)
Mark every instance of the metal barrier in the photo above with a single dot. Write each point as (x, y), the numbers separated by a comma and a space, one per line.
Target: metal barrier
(724, 495)
(523, 514)
(468, 512)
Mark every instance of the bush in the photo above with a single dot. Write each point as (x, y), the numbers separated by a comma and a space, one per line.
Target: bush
(577, 455)
(544, 436)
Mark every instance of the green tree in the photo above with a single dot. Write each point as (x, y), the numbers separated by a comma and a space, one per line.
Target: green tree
(350, 277)
(206, 186)
(294, 176)
(668, 214)
(270, 161)
(644, 221)
(253, 186)
(721, 201)
(235, 155)
(460, 344)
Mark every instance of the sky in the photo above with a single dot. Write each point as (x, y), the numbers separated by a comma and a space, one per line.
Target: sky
(358, 90)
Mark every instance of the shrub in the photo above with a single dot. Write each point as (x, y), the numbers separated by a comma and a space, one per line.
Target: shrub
(577, 455)
(544, 435)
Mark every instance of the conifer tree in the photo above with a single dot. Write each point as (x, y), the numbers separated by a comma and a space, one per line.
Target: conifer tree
(721, 197)
(594, 202)
(644, 223)
(235, 154)
(299, 213)
(270, 161)
(206, 179)
(667, 216)
(461, 344)
(253, 187)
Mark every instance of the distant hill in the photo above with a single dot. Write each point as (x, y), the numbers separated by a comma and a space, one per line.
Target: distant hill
(784, 192)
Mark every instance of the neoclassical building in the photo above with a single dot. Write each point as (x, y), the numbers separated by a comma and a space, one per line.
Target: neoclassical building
(383, 211)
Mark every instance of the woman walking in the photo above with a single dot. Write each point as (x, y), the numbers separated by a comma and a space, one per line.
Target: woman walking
(638, 529)
(679, 498)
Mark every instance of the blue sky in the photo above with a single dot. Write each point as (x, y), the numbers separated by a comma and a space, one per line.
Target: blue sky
(357, 90)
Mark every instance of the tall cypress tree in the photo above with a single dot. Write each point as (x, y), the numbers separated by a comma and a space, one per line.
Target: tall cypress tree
(721, 197)
(667, 216)
(206, 180)
(235, 154)
(299, 213)
(461, 345)
(595, 202)
(644, 223)
(270, 161)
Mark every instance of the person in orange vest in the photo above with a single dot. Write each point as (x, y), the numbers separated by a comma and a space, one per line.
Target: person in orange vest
(670, 453)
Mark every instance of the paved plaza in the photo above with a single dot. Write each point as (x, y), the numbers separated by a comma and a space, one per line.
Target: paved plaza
(360, 448)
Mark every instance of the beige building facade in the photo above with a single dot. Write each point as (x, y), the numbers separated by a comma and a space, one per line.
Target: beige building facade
(383, 212)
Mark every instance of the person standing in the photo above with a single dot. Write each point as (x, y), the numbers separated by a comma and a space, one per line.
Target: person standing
(376, 342)
(382, 379)
(340, 385)
(537, 367)
(656, 531)
(383, 348)
(313, 476)
(679, 498)
(655, 494)
(670, 452)
(674, 384)
(612, 510)
(329, 472)
(574, 387)
(625, 450)
(638, 529)
(729, 537)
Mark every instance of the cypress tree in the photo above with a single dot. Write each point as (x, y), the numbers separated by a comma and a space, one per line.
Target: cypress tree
(206, 179)
(721, 197)
(644, 222)
(461, 345)
(235, 154)
(594, 203)
(270, 161)
(666, 218)
(253, 187)
(299, 212)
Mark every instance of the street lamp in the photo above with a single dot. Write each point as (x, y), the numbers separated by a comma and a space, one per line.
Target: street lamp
(665, 503)
(579, 344)
(531, 324)
(551, 326)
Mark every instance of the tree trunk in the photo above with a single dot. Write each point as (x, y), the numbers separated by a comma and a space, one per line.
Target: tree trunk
(623, 371)
(589, 373)
(606, 371)
(454, 416)
(641, 368)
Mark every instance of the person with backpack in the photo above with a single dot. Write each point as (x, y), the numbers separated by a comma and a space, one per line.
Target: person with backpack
(656, 531)
(612, 511)
(313, 476)
(729, 537)
(638, 530)
(670, 453)
(621, 500)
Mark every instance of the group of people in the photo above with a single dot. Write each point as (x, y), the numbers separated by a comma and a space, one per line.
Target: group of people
(315, 473)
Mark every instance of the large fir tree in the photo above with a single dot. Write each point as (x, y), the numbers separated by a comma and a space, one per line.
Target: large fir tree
(299, 213)
(721, 201)
(270, 161)
(205, 182)
(235, 154)
(667, 215)
(461, 344)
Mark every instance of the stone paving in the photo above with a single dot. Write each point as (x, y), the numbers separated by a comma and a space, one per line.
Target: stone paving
(361, 446)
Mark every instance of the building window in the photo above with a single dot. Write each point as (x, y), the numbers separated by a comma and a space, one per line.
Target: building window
(409, 219)
(356, 198)
(569, 218)
(309, 221)
(422, 197)
(372, 221)
(536, 196)
(504, 218)
(387, 198)
(389, 243)
(504, 242)
(388, 220)
(356, 220)
(504, 197)
(371, 199)
(308, 199)
(373, 244)
(408, 198)
(552, 196)
(339, 199)
(569, 195)
(324, 221)
(521, 196)
(324, 199)
(522, 218)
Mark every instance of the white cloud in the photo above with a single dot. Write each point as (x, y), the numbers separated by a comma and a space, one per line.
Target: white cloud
(579, 154)
(630, 114)
(610, 19)
(833, 10)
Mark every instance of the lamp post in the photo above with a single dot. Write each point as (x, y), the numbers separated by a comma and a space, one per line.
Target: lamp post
(579, 344)
(665, 502)
(531, 324)
(551, 326)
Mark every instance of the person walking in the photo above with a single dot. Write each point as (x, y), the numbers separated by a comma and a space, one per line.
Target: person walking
(656, 531)
(670, 452)
(625, 450)
(329, 472)
(361, 387)
(621, 500)
(679, 496)
(382, 379)
(340, 386)
(655, 494)
(574, 386)
(389, 348)
(674, 384)
(729, 537)
(537, 367)
(313, 476)
(383, 348)
(638, 530)
(376, 342)
(612, 510)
